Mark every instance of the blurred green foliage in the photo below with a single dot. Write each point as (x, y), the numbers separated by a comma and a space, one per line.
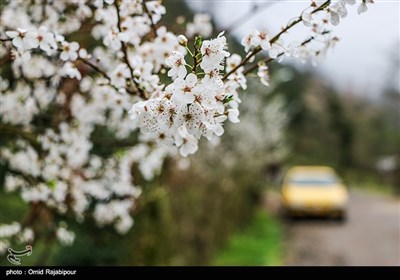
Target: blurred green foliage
(347, 131)
(258, 244)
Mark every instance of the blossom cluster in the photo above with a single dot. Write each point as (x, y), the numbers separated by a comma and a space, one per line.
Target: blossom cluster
(319, 20)
(193, 105)
(84, 116)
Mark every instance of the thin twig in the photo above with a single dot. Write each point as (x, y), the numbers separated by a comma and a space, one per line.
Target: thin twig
(30, 137)
(269, 59)
(247, 16)
(33, 180)
(152, 25)
(125, 52)
(103, 73)
(95, 67)
(273, 40)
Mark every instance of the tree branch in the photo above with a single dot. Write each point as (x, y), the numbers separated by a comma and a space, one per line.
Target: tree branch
(152, 25)
(247, 16)
(269, 59)
(95, 67)
(125, 52)
(16, 131)
(273, 40)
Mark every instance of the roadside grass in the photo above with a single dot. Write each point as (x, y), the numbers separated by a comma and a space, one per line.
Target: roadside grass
(259, 244)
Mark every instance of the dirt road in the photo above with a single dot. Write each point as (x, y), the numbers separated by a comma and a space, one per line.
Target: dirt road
(371, 235)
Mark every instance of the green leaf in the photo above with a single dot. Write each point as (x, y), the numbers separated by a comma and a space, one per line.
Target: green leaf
(51, 184)
(228, 99)
(120, 153)
(198, 41)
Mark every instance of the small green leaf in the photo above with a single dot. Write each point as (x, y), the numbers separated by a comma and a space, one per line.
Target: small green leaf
(198, 41)
(51, 184)
(228, 99)
(120, 153)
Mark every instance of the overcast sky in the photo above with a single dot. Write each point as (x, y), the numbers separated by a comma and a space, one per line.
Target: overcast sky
(361, 60)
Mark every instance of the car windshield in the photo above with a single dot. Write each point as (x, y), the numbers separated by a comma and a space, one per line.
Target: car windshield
(313, 179)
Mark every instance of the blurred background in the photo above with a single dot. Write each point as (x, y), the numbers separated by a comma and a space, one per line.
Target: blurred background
(223, 208)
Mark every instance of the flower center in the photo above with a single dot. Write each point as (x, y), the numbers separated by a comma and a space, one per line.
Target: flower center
(188, 117)
(198, 98)
(178, 62)
(160, 109)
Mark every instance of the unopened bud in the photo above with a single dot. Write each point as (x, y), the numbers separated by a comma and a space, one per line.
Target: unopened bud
(182, 40)
(136, 73)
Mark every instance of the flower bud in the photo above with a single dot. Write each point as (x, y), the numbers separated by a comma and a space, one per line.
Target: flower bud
(182, 40)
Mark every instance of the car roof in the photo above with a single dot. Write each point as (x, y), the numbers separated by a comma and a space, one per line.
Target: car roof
(310, 169)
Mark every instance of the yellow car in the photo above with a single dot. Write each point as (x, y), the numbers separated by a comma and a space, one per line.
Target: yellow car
(315, 191)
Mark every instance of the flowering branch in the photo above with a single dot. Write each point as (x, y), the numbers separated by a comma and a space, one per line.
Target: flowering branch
(152, 25)
(103, 73)
(94, 67)
(258, 49)
(124, 49)
(269, 59)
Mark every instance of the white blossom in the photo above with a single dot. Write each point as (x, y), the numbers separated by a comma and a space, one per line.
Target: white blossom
(349, 2)
(65, 236)
(155, 9)
(260, 39)
(7, 230)
(263, 74)
(362, 8)
(23, 39)
(46, 40)
(69, 51)
(201, 25)
(214, 53)
(276, 49)
(71, 71)
(233, 115)
(191, 116)
(119, 75)
(247, 41)
(336, 12)
(184, 88)
(177, 64)
(114, 39)
(188, 143)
